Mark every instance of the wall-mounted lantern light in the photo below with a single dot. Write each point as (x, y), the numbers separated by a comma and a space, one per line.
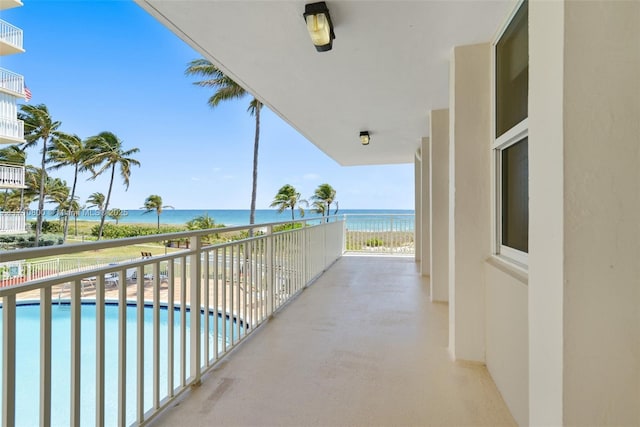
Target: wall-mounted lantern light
(319, 25)
(364, 138)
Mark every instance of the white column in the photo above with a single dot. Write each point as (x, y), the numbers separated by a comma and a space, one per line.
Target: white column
(584, 162)
(439, 203)
(425, 263)
(546, 28)
(469, 193)
(418, 206)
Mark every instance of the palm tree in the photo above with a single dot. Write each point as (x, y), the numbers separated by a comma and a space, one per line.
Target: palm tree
(154, 203)
(202, 222)
(12, 155)
(68, 150)
(319, 207)
(325, 195)
(13, 201)
(115, 214)
(225, 90)
(32, 177)
(38, 126)
(107, 153)
(74, 210)
(289, 198)
(96, 200)
(57, 192)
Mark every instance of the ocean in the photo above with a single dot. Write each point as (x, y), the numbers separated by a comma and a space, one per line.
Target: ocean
(228, 217)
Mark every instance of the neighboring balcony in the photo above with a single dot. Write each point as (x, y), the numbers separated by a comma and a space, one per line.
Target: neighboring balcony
(9, 4)
(10, 39)
(11, 176)
(11, 131)
(12, 223)
(12, 83)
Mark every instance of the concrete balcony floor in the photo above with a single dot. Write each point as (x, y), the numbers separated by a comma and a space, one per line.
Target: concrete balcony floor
(363, 345)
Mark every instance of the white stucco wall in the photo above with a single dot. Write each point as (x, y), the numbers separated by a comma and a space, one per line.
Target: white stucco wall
(508, 338)
(546, 201)
(469, 213)
(584, 248)
(418, 205)
(425, 263)
(439, 168)
(602, 213)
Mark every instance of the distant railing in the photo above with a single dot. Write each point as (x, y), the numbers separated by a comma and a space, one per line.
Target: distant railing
(11, 81)
(380, 233)
(17, 272)
(12, 222)
(11, 128)
(10, 34)
(210, 297)
(11, 176)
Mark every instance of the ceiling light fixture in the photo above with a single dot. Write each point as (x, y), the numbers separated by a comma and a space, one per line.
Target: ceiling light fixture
(319, 25)
(364, 137)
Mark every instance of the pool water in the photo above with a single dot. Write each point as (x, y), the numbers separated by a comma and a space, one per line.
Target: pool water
(28, 361)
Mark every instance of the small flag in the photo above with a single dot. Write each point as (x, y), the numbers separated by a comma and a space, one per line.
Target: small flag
(27, 93)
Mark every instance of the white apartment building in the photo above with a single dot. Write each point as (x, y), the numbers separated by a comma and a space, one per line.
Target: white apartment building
(12, 90)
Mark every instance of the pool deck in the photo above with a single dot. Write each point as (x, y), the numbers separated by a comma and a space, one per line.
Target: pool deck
(363, 345)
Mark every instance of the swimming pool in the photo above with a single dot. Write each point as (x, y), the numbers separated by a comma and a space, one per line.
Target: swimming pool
(28, 360)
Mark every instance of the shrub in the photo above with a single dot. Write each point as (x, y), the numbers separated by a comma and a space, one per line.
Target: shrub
(48, 227)
(120, 231)
(374, 242)
(284, 227)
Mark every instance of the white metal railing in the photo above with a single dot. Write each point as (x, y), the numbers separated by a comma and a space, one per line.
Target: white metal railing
(17, 272)
(10, 34)
(11, 81)
(11, 176)
(209, 297)
(11, 128)
(12, 222)
(380, 233)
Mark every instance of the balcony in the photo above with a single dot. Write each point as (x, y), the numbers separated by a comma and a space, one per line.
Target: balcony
(336, 339)
(11, 83)
(361, 346)
(11, 176)
(9, 4)
(11, 131)
(12, 223)
(10, 39)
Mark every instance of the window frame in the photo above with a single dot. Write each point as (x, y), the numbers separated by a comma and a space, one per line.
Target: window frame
(512, 136)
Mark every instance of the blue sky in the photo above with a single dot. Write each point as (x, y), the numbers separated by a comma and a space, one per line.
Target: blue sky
(108, 65)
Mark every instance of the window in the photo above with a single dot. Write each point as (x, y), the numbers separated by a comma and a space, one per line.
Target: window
(511, 158)
(515, 196)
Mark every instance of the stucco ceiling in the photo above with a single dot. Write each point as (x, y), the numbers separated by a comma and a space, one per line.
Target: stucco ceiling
(389, 65)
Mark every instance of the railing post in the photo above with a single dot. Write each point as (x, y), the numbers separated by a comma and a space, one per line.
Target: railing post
(195, 279)
(9, 360)
(344, 234)
(270, 270)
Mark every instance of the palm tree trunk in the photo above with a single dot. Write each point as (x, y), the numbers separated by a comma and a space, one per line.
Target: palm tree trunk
(252, 214)
(73, 194)
(292, 213)
(103, 214)
(158, 222)
(41, 197)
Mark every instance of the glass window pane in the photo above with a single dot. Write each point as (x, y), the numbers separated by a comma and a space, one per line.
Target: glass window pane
(512, 72)
(515, 196)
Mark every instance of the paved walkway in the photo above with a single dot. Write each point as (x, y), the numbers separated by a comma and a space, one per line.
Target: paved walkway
(361, 346)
